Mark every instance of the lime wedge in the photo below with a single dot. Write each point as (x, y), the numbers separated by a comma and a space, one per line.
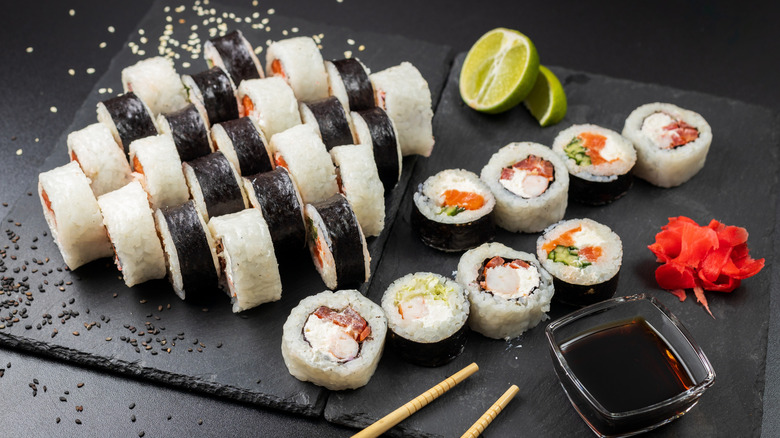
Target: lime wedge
(547, 100)
(499, 71)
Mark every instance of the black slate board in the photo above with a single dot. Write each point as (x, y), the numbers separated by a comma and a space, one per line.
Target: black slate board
(90, 318)
(738, 186)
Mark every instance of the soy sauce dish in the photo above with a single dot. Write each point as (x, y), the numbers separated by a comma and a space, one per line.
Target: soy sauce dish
(628, 365)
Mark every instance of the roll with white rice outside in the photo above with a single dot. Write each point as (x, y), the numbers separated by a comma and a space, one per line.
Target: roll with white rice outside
(301, 151)
(298, 61)
(509, 291)
(156, 165)
(359, 182)
(100, 157)
(157, 83)
(271, 103)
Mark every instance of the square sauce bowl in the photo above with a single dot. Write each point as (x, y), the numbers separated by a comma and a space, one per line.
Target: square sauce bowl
(628, 365)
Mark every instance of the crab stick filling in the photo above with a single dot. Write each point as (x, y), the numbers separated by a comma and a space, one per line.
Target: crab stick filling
(47, 203)
(277, 69)
(667, 132)
(576, 247)
(279, 161)
(528, 178)
(338, 334)
(508, 279)
(246, 101)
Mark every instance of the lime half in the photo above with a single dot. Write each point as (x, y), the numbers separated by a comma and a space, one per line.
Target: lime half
(547, 100)
(499, 71)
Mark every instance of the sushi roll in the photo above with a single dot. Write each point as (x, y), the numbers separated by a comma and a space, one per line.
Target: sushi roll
(329, 120)
(300, 150)
(244, 144)
(73, 215)
(156, 165)
(426, 318)
(452, 211)
(250, 273)
(359, 182)
(373, 127)
(127, 117)
(235, 55)
(584, 258)
(129, 220)
(214, 91)
(299, 62)
(336, 243)
(531, 186)
(190, 131)
(190, 253)
(334, 339)
(271, 103)
(101, 159)
(599, 162)
(404, 94)
(215, 185)
(348, 81)
(671, 143)
(274, 193)
(509, 291)
(156, 82)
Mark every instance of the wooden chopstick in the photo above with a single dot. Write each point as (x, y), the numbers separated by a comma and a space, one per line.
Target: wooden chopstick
(400, 414)
(484, 421)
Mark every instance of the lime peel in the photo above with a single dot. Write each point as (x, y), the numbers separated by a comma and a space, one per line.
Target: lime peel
(547, 100)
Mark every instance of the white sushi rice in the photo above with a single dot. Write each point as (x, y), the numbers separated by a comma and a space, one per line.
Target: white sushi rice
(429, 199)
(303, 67)
(130, 224)
(251, 272)
(73, 215)
(312, 365)
(657, 164)
(361, 185)
(275, 107)
(362, 135)
(494, 315)
(591, 234)
(618, 152)
(308, 161)
(528, 215)
(435, 307)
(101, 158)
(404, 94)
(155, 81)
(160, 171)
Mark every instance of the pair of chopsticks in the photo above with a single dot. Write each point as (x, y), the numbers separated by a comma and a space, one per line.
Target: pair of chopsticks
(400, 414)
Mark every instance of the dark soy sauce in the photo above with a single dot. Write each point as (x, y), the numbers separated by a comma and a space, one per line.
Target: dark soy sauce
(627, 366)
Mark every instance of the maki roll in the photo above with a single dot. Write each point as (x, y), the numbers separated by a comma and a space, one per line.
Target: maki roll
(190, 254)
(531, 185)
(599, 161)
(215, 185)
(334, 339)
(671, 143)
(509, 291)
(214, 91)
(298, 61)
(348, 81)
(359, 182)
(101, 159)
(301, 151)
(129, 220)
(426, 318)
(329, 120)
(235, 55)
(190, 131)
(250, 273)
(404, 94)
(584, 258)
(244, 144)
(127, 117)
(374, 128)
(452, 211)
(73, 215)
(274, 193)
(156, 165)
(156, 82)
(336, 243)
(271, 103)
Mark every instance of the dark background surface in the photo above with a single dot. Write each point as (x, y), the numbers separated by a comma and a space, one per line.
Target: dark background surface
(723, 48)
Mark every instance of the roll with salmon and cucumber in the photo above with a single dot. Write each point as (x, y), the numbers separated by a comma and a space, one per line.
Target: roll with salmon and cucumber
(452, 211)
(584, 258)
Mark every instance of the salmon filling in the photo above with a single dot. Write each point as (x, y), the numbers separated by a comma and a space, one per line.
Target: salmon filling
(564, 250)
(246, 101)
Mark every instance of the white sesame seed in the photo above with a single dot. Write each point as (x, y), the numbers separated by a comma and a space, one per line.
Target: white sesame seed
(254, 3)
(294, 29)
(72, 12)
(53, 109)
(110, 90)
(90, 71)
(167, 9)
(143, 40)
(271, 11)
(258, 50)
(19, 151)
(348, 53)
(361, 48)
(351, 42)
(29, 50)
(185, 64)
(71, 72)
(265, 20)
(37, 139)
(141, 31)
(102, 45)
(111, 29)
(284, 32)
(102, 91)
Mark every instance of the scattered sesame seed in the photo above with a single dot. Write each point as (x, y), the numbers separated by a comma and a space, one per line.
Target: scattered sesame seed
(361, 48)
(71, 72)
(18, 152)
(29, 50)
(72, 12)
(351, 42)
(90, 71)
(141, 31)
(102, 45)
(111, 29)
(348, 53)
(53, 109)
(271, 11)
(36, 140)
